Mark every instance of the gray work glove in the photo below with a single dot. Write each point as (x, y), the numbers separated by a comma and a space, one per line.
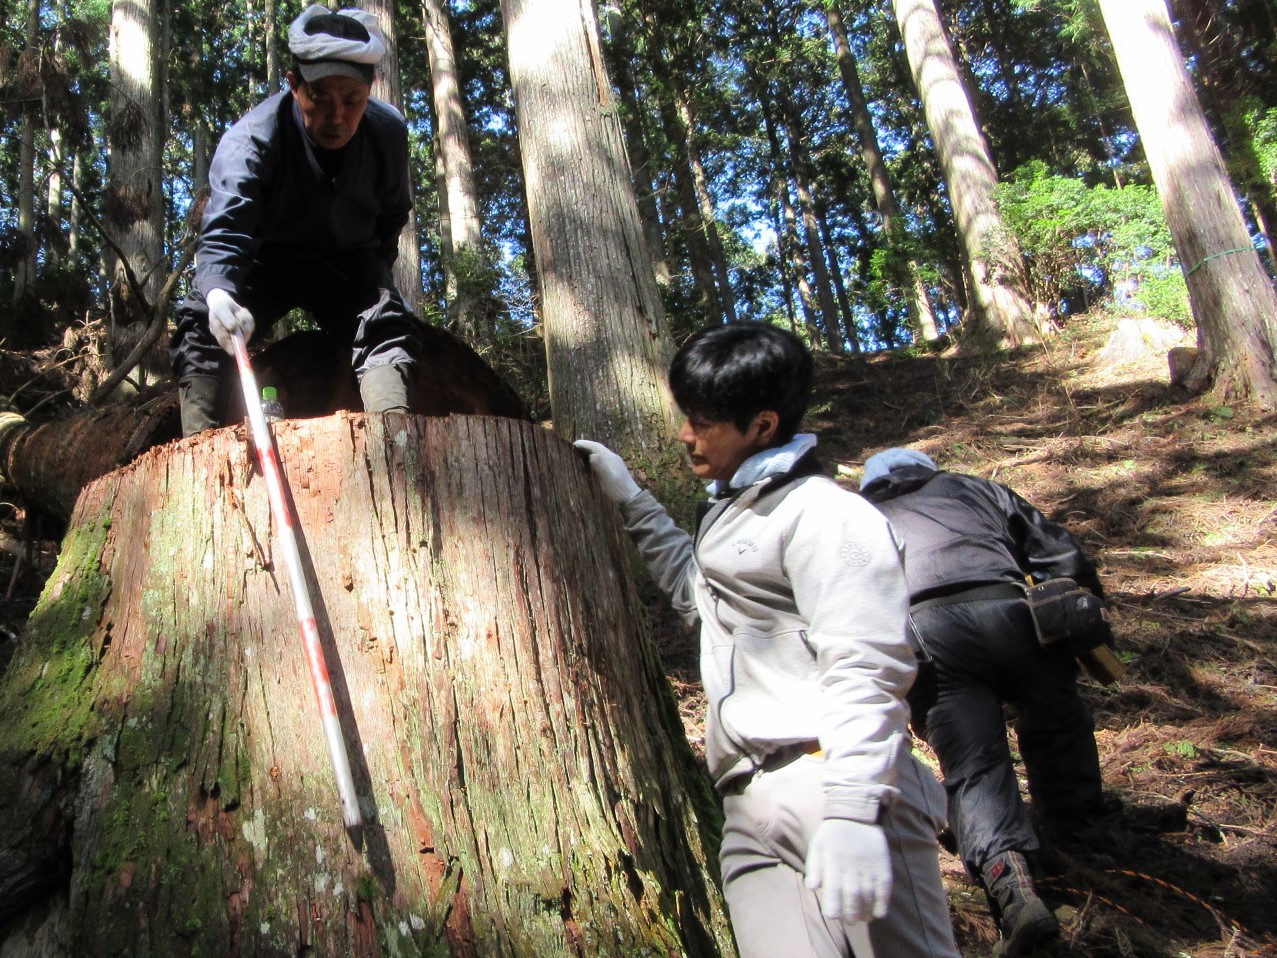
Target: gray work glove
(610, 470)
(849, 867)
(226, 318)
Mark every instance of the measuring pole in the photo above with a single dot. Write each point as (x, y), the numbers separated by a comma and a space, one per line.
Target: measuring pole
(286, 543)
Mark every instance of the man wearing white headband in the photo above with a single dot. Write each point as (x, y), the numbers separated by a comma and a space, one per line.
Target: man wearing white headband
(309, 192)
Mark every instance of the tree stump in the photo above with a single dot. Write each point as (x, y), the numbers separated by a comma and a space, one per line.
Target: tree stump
(522, 772)
(1134, 340)
(48, 463)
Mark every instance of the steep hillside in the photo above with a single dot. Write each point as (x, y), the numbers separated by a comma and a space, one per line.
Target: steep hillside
(1176, 500)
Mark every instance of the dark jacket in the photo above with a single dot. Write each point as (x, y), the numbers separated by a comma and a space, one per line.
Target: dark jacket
(961, 531)
(270, 198)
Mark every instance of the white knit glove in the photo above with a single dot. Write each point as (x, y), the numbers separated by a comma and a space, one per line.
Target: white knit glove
(610, 470)
(849, 867)
(227, 317)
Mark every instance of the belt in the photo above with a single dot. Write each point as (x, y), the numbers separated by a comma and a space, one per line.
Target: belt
(789, 753)
(998, 590)
(778, 759)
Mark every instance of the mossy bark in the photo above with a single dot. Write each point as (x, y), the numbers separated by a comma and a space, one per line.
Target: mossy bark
(519, 760)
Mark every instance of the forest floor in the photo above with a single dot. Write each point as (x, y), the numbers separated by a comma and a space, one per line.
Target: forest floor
(1174, 497)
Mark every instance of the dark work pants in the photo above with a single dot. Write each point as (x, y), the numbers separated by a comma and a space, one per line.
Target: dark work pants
(351, 296)
(986, 653)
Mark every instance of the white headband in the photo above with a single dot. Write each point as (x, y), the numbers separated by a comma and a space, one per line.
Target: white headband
(330, 39)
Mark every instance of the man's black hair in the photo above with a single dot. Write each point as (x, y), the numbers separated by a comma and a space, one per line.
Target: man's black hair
(732, 373)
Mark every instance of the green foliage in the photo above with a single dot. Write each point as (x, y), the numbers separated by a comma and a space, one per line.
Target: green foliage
(1262, 124)
(887, 276)
(1080, 238)
(476, 310)
(1165, 294)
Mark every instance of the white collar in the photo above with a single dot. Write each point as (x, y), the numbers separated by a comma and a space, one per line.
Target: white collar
(769, 462)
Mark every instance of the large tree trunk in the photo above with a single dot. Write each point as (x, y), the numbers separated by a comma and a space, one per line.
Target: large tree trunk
(272, 45)
(1230, 76)
(705, 205)
(620, 57)
(1001, 309)
(1233, 299)
(24, 267)
(691, 228)
(607, 344)
(467, 267)
(135, 181)
(803, 188)
(788, 247)
(53, 210)
(388, 88)
(521, 773)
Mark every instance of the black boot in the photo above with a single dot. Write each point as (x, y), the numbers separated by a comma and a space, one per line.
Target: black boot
(199, 403)
(1023, 918)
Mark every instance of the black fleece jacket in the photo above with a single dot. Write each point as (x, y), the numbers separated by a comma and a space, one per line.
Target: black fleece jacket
(961, 531)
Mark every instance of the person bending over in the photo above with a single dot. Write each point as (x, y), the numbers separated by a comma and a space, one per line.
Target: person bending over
(309, 191)
(970, 544)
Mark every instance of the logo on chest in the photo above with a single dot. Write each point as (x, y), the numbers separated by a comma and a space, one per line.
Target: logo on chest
(854, 554)
(743, 546)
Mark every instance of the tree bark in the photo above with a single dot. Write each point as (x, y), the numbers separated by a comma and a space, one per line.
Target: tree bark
(816, 262)
(789, 248)
(607, 344)
(273, 73)
(73, 220)
(1002, 313)
(135, 182)
(48, 464)
(1232, 297)
(467, 272)
(388, 88)
(846, 313)
(519, 760)
(692, 229)
(705, 206)
(25, 266)
(621, 56)
(1226, 81)
(57, 161)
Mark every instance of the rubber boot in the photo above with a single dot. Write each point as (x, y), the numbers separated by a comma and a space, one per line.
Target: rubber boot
(1024, 919)
(384, 389)
(198, 398)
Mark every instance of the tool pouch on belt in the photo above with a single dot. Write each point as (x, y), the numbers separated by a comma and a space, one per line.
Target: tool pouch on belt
(1068, 617)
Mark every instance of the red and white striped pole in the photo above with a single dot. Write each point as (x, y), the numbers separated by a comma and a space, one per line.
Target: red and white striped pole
(286, 543)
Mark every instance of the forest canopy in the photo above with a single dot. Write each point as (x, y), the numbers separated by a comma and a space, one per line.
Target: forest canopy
(780, 156)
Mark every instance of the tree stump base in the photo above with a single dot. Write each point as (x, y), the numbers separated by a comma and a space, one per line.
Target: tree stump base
(519, 759)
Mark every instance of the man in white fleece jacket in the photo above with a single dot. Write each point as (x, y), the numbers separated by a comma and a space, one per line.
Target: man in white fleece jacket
(829, 844)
